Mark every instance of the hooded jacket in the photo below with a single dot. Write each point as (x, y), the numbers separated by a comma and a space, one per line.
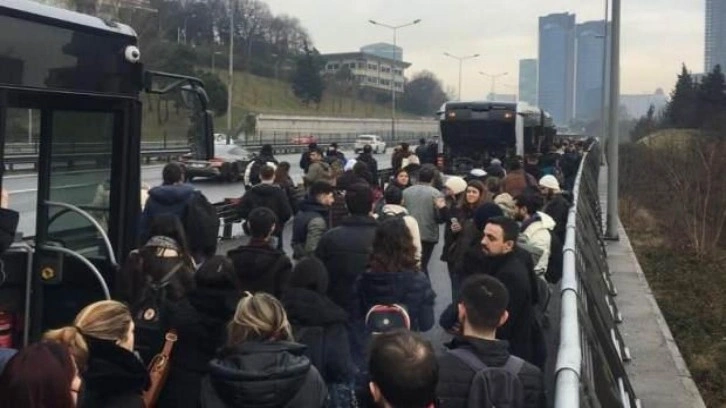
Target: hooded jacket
(261, 268)
(320, 324)
(263, 375)
(114, 377)
(267, 195)
(310, 223)
(411, 224)
(537, 230)
(455, 376)
(164, 199)
(345, 251)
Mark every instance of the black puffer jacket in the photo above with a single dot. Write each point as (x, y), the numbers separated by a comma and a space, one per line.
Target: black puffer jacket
(200, 321)
(114, 377)
(372, 163)
(261, 268)
(558, 208)
(455, 376)
(165, 199)
(263, 375)
(320, 324)
(271, 196)
(345, 251)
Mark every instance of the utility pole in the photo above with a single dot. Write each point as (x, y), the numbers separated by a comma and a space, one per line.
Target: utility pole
(613, 141)
(231, 71)
(461, 62)
(605, 96)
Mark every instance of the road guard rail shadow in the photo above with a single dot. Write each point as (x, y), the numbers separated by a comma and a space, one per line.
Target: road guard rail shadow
(590, 370)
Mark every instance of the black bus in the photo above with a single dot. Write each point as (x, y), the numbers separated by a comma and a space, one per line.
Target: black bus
(472, 133)
(71, 124)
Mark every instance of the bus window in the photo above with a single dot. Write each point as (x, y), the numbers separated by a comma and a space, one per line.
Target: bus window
(20, 179)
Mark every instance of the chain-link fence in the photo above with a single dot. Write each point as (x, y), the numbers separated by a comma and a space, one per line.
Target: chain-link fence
(590, 369)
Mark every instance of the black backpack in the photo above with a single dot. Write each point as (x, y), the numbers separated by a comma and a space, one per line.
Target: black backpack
(255, 171)
(493, 387)
(201, 223)
(150, 315)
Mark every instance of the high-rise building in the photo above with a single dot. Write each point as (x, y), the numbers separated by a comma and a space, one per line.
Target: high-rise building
(715, 34)
(528, 81)
(556, 74)
(383, 50)
(590, 38)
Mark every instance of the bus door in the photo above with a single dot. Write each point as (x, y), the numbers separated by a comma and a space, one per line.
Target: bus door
(78, 199)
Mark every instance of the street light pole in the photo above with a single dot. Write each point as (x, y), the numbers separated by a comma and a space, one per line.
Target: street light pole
(461, 62)
(613, 141)
(494, 78)
(393, 72)
(230, 83)
(604, 99)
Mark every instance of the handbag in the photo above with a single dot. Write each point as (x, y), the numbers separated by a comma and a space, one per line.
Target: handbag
(159, 370)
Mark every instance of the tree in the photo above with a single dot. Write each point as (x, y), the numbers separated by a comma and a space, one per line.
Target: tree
(217, 92)
(645, 125)
(682, 110)
(424, 94)
(307, 83)
(712, 100)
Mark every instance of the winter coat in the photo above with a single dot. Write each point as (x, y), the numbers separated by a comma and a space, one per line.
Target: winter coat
(263, 375)
(455, 376)
(200, 321)
(308, 227)
(165, 199)
(261, 268)
(270, 196)
(559, 209)
(511, 270)
(419, 201)
(114, 377)
(289, 188)
(372, 164)
(411, 224)
(305, 161)
(320, 324)
(345, 251)
(537, 230)
(457, 243)
(338, 210)
(318, 171)
(517, 181)
(349, 178)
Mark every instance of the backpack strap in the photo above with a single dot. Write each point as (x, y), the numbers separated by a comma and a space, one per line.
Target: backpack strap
(164, 281)
(513, 365)
(469, 358)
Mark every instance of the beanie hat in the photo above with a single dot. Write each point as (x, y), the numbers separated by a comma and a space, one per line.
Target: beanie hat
(506, 203)
(550, 181)
(484, 213)
(456, 184)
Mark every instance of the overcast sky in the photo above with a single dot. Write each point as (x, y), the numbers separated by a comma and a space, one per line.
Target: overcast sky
(657, 35)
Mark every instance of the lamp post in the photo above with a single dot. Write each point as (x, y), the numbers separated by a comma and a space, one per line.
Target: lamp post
(393, 72)
(230, 83)
(611, 231)
(604, 101)
(461, 61)
(494, 80)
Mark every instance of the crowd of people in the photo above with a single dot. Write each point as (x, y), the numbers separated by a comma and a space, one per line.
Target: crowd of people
(338, 322)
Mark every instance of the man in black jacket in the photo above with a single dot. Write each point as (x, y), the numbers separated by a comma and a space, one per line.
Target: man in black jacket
(367, 158)
(482, 309)
(270, 195)
(557, 206)
(345, 249)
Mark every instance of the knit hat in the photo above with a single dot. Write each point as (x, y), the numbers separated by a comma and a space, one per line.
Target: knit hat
(506, 203)
(455, 184)
(550, 181)
(484, 213)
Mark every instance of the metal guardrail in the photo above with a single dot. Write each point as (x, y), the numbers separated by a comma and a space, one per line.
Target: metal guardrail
(590, 369)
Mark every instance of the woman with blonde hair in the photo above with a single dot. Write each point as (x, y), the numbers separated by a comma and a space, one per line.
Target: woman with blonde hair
(101, 341)
(261, 365)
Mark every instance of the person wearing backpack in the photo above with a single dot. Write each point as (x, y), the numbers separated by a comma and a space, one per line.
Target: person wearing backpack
(393, 207)
(477, 370)
(321, 325)
(265, 158)
(267, 194)
(311, 221)
(258, 265)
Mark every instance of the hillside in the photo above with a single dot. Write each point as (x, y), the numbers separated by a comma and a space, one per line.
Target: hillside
(255, 94)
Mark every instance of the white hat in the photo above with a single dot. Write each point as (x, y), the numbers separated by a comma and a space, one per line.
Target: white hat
(496, 162)
(349, 164)
(456, 184)
(478, 173)
(550, 181)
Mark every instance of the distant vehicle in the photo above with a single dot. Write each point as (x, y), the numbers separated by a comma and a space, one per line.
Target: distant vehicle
(220, 138)
(376, 143)
(228, 164)
(474, 132)
(303, 140)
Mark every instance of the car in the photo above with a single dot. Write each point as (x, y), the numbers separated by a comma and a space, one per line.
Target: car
(303, 140)
(228, 164)
(376, 143)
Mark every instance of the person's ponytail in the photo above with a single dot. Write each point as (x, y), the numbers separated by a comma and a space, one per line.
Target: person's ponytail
(71, 337)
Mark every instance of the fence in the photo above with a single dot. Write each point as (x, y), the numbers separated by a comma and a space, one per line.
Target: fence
(302, 138)
(590, 369)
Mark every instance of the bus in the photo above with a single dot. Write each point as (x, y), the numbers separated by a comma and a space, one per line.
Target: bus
(473, 133)
(71, 124)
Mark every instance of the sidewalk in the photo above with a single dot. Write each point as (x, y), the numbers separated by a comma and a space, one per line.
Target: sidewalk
(657, 370)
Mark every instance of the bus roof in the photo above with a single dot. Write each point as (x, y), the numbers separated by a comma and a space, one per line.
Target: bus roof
(32, 10)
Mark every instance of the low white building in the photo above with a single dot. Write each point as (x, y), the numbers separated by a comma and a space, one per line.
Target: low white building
(370, 71)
